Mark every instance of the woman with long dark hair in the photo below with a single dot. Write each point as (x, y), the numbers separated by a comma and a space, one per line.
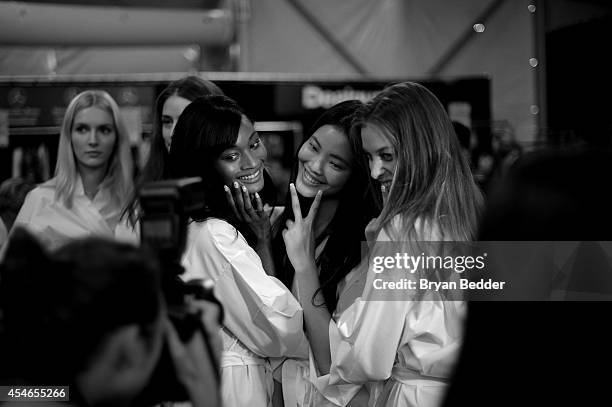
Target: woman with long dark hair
(329, 163)
(215, 140)
(168, 107)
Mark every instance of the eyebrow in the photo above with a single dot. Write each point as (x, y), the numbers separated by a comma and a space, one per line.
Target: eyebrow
(97, 125)
(253, 134)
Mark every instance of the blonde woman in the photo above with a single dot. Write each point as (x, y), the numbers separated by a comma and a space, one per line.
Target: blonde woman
(401, 344)
(93, 177)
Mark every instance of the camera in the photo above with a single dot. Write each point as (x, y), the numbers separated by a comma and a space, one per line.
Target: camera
(166, 207)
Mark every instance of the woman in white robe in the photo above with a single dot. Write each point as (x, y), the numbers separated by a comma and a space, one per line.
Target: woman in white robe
(214, 140)
(326, 161)
(402, 344)
(93, 177)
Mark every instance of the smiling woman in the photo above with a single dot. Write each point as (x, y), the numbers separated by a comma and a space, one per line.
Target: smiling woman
(93, 177)
(216, 141)
(244, 161)
(329, 162)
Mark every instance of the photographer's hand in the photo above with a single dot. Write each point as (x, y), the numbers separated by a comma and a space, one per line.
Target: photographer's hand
(210, 317)
(194, 368)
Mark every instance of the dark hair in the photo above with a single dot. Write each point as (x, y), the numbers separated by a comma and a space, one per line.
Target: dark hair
(12, 195)
(345, 231)
(59, 308)
(206, 128)
(552, 195)
(190, 88)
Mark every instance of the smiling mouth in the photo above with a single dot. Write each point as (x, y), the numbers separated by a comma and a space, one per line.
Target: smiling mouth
(310, 179)
(250, 178)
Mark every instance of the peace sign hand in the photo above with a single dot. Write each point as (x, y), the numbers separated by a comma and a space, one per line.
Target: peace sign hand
(299, 236)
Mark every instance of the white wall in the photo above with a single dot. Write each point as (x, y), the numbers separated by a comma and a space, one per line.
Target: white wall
(404, 39)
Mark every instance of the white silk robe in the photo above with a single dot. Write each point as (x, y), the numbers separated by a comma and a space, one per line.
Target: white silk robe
(262, 318)
(404, 351)
(54, 224)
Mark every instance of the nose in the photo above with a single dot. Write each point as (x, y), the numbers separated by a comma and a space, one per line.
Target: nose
(248, 161)
(93, 138)
(316, 165)
(376, 168)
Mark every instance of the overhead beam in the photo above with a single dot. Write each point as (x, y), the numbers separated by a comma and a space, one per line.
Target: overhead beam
(328, 36)
(37, 24)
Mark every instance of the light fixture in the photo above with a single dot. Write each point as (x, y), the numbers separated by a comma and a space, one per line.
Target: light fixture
(478, 27)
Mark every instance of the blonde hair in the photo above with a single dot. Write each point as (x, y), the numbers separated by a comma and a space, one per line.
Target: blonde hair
(118, 178)
(432, 183)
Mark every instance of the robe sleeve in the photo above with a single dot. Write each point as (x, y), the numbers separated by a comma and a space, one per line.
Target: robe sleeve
(259, 310)
(34, 205)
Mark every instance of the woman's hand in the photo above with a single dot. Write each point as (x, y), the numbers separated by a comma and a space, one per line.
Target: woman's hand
(193, 364)
(255, 217)
(299, 236)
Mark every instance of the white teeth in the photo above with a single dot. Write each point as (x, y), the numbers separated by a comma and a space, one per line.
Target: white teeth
(310, 179)
(250, 177)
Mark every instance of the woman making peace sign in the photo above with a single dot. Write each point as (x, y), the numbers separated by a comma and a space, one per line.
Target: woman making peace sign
(405, 346)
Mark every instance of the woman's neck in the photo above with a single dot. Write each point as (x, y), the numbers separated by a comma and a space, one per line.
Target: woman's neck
(327, 210)
(92, 178)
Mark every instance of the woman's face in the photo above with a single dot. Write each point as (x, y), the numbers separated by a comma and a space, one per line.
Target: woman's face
(93, 137)
(244, 162)
(172, 109)
(324, 162)
(381, 156)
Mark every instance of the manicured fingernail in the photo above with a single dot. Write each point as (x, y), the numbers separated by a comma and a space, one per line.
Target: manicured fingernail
(256, 195)
(235, 184)
(226, 188)
(244, 189)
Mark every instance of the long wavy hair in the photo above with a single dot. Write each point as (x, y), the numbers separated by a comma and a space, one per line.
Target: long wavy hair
(118, 177)
(345, 231)
(206, 128)
(190, 88)
(432, 181)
